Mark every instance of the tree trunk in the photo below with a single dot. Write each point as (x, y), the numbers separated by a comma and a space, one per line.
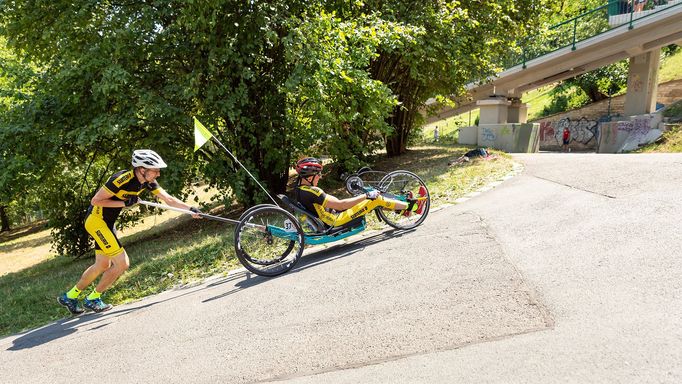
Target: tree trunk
(396, 143)
(402, 120)
(389, 69)
(4, 219)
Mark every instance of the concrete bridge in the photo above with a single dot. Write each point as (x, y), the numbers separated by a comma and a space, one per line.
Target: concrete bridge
(638, 36)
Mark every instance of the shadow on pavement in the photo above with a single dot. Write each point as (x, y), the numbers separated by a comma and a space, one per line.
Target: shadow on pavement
(308, 261)
(70, 325)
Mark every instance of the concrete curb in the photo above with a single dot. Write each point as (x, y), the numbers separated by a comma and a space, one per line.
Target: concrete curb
(516, 169)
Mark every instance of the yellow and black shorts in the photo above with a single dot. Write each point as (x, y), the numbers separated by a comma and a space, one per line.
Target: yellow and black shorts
(106, 242)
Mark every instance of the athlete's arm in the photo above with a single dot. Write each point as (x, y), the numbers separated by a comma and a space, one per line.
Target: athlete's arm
(103, 199)
(173, 202)
(341, 205)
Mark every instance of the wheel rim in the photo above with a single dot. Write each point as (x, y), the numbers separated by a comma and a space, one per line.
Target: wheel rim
(403, 185)
(268, 241)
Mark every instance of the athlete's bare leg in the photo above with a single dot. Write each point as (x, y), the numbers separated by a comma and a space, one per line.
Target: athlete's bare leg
(120, 264)
(102, 263)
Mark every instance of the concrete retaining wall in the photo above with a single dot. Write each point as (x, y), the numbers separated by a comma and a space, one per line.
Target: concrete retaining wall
(583, 123)
(627, 135)
(512, 138)
(584, 134)
(468, 135)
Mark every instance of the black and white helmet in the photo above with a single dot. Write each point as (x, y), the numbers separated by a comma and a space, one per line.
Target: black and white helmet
(148, 159)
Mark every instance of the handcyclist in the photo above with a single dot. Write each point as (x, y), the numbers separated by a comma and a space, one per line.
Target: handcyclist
(111, 260)
(336, 212)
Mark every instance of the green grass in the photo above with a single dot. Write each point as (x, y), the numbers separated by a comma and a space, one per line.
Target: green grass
(670, 141)
(671, 67)
(190, 251)
(185, 251)
(447, 128)
(537, 100)
(447, 184)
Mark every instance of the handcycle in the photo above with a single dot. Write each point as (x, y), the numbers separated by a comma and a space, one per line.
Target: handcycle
(270, 239)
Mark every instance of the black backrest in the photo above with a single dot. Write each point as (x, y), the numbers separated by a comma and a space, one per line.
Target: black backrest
(319, 225)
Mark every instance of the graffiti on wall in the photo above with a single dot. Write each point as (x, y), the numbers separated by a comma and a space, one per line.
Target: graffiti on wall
(583, 131)
(487, 134)
(621, 136)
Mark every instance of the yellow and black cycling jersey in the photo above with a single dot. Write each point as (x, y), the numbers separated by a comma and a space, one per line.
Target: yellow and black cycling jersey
(314, 200)
(122, 185)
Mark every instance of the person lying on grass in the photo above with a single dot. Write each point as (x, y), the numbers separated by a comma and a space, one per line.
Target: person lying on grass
(478, 153)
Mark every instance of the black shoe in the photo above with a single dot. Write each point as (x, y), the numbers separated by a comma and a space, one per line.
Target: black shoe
(96, 305)
(71, 304)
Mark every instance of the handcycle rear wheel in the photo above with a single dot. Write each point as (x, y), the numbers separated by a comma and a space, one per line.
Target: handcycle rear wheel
(268, 240)
(404, 185)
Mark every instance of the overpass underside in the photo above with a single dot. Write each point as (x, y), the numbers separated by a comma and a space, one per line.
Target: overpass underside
(639, 40)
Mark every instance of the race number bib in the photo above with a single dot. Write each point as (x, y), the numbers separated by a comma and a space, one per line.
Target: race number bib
(289, 226)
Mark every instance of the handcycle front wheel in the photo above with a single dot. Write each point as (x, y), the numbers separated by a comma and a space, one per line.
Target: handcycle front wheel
(268, 240)
(405, 185)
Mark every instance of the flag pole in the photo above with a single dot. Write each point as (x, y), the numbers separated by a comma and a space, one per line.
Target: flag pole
(242, 165)
(202, 135)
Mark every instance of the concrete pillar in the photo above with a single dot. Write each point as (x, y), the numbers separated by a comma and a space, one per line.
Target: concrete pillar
(642, 83)
(493, 110)
(517, 111)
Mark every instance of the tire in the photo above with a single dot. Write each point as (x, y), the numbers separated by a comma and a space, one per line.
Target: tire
(262, 243)
(243, 215)
(403, 185)
(355, 185)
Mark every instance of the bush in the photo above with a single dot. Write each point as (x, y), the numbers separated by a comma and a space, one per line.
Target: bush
(674, 111)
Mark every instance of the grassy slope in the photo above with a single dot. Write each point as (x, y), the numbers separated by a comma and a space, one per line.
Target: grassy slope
(671, 141)
(182, 250)
(671, 68)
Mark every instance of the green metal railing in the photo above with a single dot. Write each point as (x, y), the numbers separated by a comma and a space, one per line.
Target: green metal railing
(582, 27)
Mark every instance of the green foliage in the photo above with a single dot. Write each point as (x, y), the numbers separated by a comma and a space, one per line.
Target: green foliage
(587, 88)
(17, 172)
(332, 100)
(445, 52)
(124, 76)
(603, 82)
(560, 26)
(271, 79)
(670, 50)
(564, 98)
(674, 111)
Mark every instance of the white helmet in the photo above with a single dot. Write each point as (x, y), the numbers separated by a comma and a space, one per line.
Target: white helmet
(148, 159)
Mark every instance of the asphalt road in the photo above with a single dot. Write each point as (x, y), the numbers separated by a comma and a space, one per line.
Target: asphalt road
(569, 272)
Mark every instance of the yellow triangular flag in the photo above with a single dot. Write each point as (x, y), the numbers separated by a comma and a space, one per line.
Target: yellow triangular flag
(201, 135)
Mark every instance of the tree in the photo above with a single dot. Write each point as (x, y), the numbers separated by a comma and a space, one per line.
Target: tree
(331, 95)
(272, 79)
(120, 76)
(17, 173)
(453, 43)
(603, 82)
